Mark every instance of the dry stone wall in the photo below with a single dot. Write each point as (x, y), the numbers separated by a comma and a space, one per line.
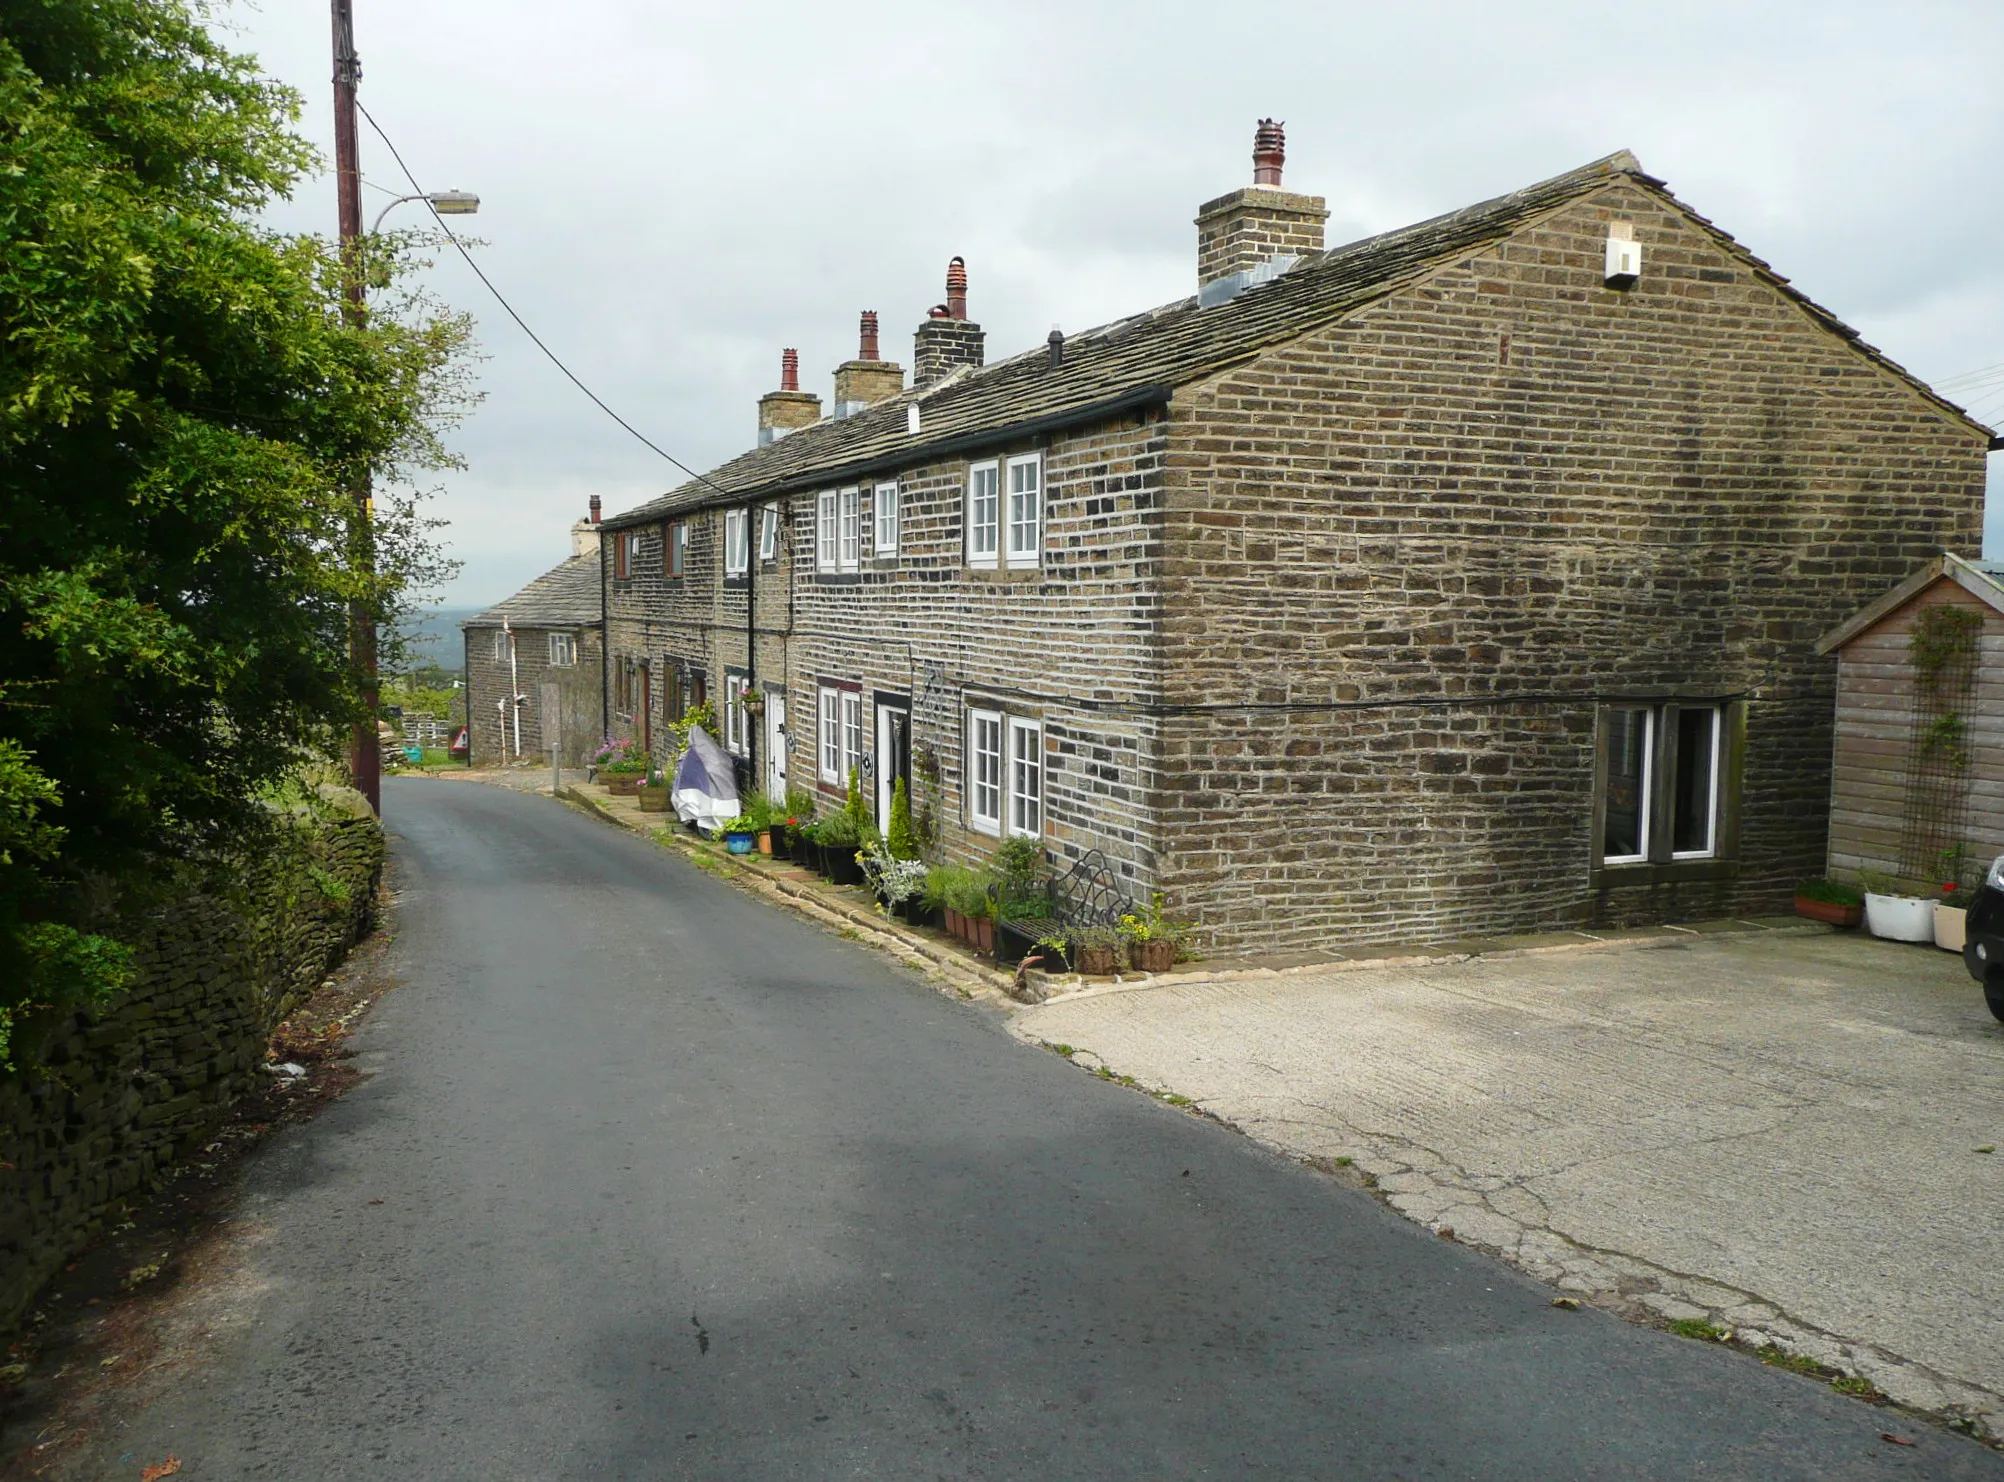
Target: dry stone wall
(125, 1089)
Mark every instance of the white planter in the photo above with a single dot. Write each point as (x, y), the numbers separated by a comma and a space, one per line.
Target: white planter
(1951, 927)
(1900, 918)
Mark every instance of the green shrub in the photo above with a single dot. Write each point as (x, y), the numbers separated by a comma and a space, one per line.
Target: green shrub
(1830, 892)
(898, 837)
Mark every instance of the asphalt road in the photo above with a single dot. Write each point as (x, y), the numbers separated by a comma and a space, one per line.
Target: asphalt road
(673, 1184)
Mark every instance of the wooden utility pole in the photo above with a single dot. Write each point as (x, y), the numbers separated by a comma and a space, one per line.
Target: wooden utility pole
(365, 752)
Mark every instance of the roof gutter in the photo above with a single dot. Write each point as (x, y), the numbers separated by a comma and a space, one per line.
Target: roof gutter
(987, 437)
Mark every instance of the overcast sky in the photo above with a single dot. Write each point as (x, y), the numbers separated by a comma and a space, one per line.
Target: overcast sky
(672, 193)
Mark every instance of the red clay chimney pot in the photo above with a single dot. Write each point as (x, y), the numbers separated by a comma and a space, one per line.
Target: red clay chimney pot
(594, 509)
(789, 370)
(956, 289)
(1269, 152)
(868, 349)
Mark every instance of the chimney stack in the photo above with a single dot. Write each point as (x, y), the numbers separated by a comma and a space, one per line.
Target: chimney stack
(947, 339)
(584, 534)
(789, 408)
(868, 378)
(1259, 231)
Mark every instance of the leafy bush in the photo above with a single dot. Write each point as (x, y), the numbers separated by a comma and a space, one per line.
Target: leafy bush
(1830, 892)
(185, 415)
(894, 880)
(838, 831)
(800, 805)
(898, 836)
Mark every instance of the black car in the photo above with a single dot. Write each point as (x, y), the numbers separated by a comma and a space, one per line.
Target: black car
(1984, 949)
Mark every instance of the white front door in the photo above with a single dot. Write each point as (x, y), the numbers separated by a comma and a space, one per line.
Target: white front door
(894, 729)
(775, 748)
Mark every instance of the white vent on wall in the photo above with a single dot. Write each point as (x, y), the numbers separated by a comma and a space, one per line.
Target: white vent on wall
(1624, 255)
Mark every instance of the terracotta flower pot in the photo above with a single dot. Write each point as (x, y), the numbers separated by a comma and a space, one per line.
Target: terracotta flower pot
(956, 923)
(765, 842)
(984, 933)
(1829, 911)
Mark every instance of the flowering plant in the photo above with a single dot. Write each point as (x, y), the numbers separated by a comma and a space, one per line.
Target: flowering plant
(618, 758)
(895, 880)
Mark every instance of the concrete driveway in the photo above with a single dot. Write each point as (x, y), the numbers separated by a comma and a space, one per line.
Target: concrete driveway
(1788, 1133)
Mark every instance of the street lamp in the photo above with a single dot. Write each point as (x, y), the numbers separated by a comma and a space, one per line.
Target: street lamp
(444, 202)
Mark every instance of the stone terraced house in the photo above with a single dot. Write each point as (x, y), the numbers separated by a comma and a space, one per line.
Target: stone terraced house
(1459, 580)
(544, 645)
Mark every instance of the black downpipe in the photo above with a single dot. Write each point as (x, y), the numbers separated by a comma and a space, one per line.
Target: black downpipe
(604, 652)
(751, 643)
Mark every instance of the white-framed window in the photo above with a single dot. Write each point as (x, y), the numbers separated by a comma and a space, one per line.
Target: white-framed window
(1662, 782)
(984, 771)
(824, 530)
(1026, 777)
(737, 541)
(626, 554)
(831, 737)
(737, 720)
(886, 511)
(768, 533)
(1025, 532)
(500, 645)
(852, 733)
(852, 528)
(841, 734)
(983, 512)
(563, 650)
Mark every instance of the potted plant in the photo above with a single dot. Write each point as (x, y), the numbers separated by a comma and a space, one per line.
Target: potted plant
(1951, 907)
(839, 839)
(1096, 951)
(1897, 916)
(1054, 949)
(623, 767)
(1152, 939)
(654, 795)
(1829, 901)
(897, 882)
(799, 816)
(755, 818)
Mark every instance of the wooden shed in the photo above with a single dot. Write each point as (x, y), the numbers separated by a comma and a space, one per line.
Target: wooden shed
(1918, 781)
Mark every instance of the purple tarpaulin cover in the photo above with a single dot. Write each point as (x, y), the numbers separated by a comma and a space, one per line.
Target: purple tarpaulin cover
(706, 785)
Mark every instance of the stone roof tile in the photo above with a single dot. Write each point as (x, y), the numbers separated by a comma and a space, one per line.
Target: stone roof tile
(563, 597)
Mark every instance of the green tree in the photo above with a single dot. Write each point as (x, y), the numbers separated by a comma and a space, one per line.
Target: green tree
(183, 407)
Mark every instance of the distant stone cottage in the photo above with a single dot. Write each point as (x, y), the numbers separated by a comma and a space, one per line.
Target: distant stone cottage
(1458, 580)
(540, 645)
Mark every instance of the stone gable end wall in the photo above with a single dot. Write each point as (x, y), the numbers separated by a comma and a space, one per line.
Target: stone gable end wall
(493, 740)
(1505, 484)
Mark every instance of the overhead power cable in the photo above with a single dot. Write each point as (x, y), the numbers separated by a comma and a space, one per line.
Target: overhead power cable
(569, 374)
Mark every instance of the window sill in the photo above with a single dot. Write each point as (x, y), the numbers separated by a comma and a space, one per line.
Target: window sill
(1617, 876)
(1023, 574)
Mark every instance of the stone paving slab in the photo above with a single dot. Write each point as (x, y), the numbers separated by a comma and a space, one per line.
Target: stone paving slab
(1782, 1132)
